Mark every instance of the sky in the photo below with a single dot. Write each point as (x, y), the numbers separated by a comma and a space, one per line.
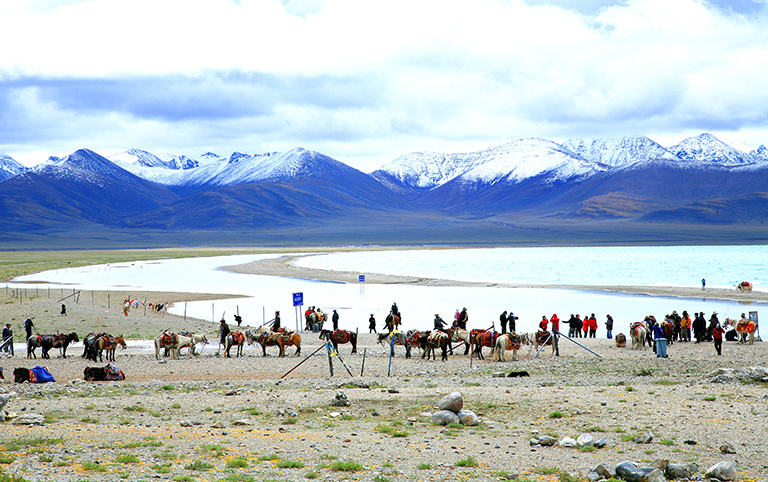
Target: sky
(365, 81)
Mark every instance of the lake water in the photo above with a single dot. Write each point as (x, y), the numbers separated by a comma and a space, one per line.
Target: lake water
(682, 266)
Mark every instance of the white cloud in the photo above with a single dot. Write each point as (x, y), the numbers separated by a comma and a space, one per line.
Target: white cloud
(373, 79)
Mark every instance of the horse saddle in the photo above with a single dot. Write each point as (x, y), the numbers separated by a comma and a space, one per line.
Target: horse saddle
(634, 327)
(239, 337)
(542, 337)
(39, 339)
(489, 338)
(341, 336)
(747, 326)
(267, 337)
(169, 338)
(412, 337)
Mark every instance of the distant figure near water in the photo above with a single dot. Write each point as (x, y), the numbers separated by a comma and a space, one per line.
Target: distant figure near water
(703, 284)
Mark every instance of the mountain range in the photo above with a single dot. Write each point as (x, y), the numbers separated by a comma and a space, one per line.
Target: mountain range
(528, 191)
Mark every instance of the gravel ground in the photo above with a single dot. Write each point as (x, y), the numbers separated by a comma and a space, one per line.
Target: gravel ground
(211, 418)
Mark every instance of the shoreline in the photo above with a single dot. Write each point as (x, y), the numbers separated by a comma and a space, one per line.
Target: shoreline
(283, 267)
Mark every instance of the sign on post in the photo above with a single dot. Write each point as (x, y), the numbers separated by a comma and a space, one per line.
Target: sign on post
(298, 299)
(361, 278)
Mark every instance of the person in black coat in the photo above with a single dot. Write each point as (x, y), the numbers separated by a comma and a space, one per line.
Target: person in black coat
(276, 323)
(503, 322)
(699, 326)
(511, 322)
(335, 319)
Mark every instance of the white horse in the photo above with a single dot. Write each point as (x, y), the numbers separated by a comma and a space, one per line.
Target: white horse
(171, 342)
(191, 342)
(638, 333)
(508, 341)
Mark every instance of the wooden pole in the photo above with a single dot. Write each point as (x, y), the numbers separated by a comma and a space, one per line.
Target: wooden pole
(365, 350)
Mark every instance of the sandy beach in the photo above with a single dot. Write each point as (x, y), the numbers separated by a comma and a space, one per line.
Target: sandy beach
(214, 418)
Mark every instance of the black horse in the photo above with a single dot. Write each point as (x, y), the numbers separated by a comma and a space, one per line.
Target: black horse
(46, 342)
(340, 337)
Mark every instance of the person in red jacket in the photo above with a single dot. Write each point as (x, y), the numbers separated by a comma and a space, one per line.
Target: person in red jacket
(717, 336)
(555, 332)
(543, 323)
(592, 326)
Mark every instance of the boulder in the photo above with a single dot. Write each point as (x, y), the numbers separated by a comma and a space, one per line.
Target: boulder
(727, 449)
(630, 472)
(547, 441)
(340, 400)
(567, 442)
(656, 475)
(725, 470)
(646, 438)
(468, 417)
(453, 402)
(585, 440)
(29, 419)
(603, 471)
(678, 471)
(444, 417)
(600, 443)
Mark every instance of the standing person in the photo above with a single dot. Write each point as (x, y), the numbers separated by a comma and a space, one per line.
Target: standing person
(28, 325)
(335, 319)
(571, 325)
(223, 332)
(585, 325)
(126, 306)
(555, 332)
(579, 326)
(63, 309)
(717, 337)
(276, 322)
(8, 339)
(699, 326)
(592, 326)
(661, 342)
(685, 327)
(703, 284)
(372, 324)
(713, 321)
(609, 326)
(463, 319)
(238, 320)
(511, 322)
(503, 322)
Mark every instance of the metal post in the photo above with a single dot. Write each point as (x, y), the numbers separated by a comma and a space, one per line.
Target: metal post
(362, 367)
(391, 351)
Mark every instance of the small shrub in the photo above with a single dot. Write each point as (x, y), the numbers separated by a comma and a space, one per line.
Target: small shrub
(557, 414)
(94, 466)
(468, 462)
(290, 421)
(45, 458)
(381, 478)
(168, 387)
(312, 474)
(126, 459)
(269, 457)
(237, 463)
(176, 405)
(630, 388)
(346, 466)
(89, 420)
(7, 459)
(710, 399)
(424, 466)
(182, 478)
(198, 465)
(667, 441)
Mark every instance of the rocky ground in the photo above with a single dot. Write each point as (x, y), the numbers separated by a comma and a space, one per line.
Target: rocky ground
(211, 418)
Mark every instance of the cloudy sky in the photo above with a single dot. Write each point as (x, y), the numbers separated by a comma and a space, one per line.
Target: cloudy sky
(364, 81)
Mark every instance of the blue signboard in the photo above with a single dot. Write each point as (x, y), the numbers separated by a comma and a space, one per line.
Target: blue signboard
(298, 299)
(362, 278)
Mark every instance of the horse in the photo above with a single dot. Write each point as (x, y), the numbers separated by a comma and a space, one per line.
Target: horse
(745, 329)
(289, 339)
(459, 335)
(109, 343)
(668, 327)
(46, 342)
(396, 338)
(744, 287)
(483, 338)
(168, 340)
(340, 337)
(508, 341)
(316, 318)
(392, 322)
(21, 375)
(437, 339)
(235, 338)
(637, 331)
(621, 340)
(190, 340)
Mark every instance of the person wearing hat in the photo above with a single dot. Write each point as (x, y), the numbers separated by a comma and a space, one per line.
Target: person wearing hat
(463, 319)
(223, 331)
(335, 320)
(717, 338)
(276, 322)
(713, 321)
(372, 324)
(543, 323)
(511, 325)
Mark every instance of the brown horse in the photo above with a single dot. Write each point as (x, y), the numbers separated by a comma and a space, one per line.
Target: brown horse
(236, 338)
(484, 338)
(109, 344)
(46, 342)
(392, 322)
(290, 339)
(437, 339)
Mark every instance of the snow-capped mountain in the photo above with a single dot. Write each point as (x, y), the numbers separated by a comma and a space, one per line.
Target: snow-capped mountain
(619, 152)
(760, 154)
(10, 167)
(706, 147)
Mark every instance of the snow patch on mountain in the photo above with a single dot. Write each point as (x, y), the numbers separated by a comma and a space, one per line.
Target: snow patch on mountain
(10, 167)
(706, 147)
(619, 152)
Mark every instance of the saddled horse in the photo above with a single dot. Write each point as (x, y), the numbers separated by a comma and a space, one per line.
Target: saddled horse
(437, 339)
(235, 338)
(169, 340)
(638, 333)
(190, 340)
(507, 341)
(280, 339)
(392, 322)
(290, 339)
(483, 338)
(315, 318)
(340, 337)
(745, 329)
(109, 344)
(46, 342)
(539, 339)
(457, 335)
(396, 338)
(668, 327)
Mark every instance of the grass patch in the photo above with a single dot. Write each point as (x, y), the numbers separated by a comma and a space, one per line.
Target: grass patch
(468, 462)
(198, 465)
(665, 382)
(7, 459)
(142, 443)
(45, 458)
(289, 464)
(22, 442)
(557, 414)
(424, 466)
(252, 410)
(270, 457)
(237, 463)
(311, 475)
(135, 408)
(644, 372)
(667, 441)
(176, 405)
(290, 421)
(327, 457)
(168, 388)
(167, 455)
(238, 478)
(588, 448)
(217, 450)
(629, 388)
(89, 420)
(127, 459)
(345, 466)
(182, 478)
(162, 468)
(381, 478)
(94, 467)
(389, 430)
(710, 398)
